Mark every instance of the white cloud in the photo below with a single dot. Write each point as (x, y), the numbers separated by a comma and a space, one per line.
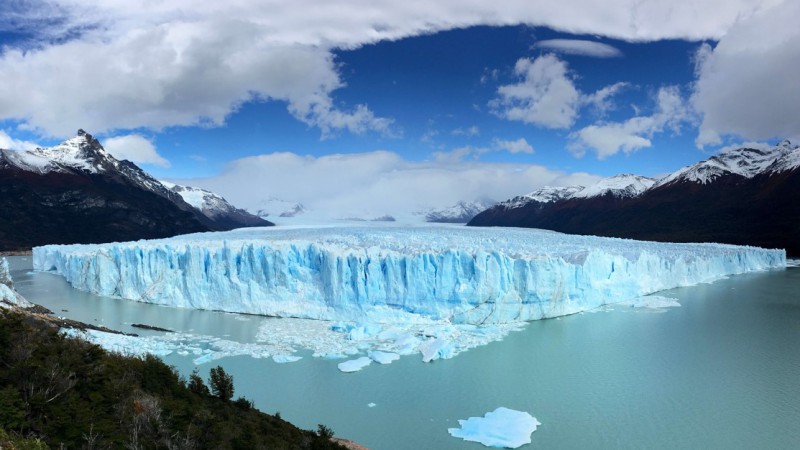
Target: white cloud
(600, 101)
(140, 63)
(474, 153)
(134, 148)
(9, 143)
(609, 138)
(518, 146)
(377, 183)
(749, 144)
(579, 47)
(747, 85)
(458, 155)
(181, 74)
(469, 132)
(545, 95)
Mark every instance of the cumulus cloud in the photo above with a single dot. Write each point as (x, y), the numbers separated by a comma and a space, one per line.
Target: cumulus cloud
(139, 63)
(544, 96)
(609, 138)
(747, 84)
(517, 146)
(181, 74)
(9, 143)
(135, 148)
(377, 183)
(579, 47)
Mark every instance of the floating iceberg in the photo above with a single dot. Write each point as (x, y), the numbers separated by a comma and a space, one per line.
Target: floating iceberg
(383, 357)
(502, 427)
(354, 365)
(283, 359)
(393, 274)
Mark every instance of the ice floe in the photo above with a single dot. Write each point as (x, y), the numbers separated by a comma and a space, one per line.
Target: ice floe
(354, 365)
(502, 427)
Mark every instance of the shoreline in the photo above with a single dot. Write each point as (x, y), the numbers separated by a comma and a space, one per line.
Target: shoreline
(27, 252)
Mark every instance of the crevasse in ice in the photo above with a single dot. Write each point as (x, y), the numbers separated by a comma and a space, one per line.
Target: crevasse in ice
(392, 273)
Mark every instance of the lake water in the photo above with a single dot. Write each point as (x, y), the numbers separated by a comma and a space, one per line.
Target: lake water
(721, 371)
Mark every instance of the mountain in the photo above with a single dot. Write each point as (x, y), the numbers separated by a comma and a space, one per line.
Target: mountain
(295, 210)
(215, 207)
(746, 196)
(461, 212)
(76, 192)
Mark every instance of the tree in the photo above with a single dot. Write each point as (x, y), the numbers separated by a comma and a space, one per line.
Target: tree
(196, 384)
(324, 432)
(221, 383)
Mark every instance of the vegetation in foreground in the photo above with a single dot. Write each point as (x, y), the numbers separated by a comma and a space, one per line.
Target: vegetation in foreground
(59, 392)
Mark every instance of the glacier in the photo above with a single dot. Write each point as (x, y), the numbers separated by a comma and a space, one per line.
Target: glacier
(392, 274)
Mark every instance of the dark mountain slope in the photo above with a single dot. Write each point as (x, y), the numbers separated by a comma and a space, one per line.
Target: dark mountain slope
(76, 192)
(749, 197)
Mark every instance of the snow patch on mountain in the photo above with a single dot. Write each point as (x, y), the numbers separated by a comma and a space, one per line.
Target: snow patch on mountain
(547, 194)
(787, 162)
(620, 186)
(27, 161)
(461, 212)
(209, 203)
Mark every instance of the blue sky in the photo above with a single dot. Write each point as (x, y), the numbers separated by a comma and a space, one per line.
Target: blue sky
(353, 105)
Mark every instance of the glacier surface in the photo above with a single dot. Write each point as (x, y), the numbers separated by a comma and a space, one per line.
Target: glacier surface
(395, 274)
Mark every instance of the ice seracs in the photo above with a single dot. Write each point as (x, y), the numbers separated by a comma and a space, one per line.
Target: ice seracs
(8, 295)
(394, 274)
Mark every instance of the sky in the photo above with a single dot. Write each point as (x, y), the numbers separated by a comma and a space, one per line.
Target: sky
(365, 108)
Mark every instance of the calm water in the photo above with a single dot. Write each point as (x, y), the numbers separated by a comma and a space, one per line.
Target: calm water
(721, 371)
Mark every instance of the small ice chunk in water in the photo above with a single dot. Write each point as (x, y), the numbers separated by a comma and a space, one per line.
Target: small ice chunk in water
(371, 405)
(383, 357)
(208, 357)
(354, 365)
(282, 359)
(502, 427)
(651, 302)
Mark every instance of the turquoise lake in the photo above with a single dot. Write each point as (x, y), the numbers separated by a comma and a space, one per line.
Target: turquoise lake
(721, 371)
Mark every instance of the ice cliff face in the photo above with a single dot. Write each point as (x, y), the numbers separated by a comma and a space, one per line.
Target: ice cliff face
(390, 274)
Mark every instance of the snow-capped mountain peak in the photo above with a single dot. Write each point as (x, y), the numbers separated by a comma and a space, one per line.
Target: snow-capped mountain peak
(747, 162)
(461, 212)
(546, 194)
(789, 161)
(82, 152)
(212, 205)
(620, 186)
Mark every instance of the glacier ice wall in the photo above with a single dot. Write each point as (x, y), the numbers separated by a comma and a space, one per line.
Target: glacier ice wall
(392, 273)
